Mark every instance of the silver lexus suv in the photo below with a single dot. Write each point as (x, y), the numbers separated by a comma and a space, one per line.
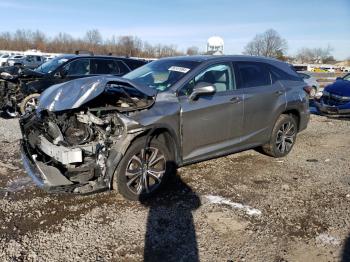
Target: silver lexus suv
(130, 133)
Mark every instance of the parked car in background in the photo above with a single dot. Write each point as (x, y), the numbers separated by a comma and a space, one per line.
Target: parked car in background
(131, 132)
(4, 57)
(335, 99)
(311, 81)
(23, 85)
(28, 61)
(345, 69)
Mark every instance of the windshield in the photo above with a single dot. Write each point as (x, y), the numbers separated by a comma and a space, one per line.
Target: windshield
(161, 74)
(51, 65)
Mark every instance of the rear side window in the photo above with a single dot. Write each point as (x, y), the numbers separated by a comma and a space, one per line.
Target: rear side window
(253, 74)
(30, 58)
(104, 67)
(278, 74)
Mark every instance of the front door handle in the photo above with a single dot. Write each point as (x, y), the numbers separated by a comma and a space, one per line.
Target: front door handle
(279, 92)
(236, 99)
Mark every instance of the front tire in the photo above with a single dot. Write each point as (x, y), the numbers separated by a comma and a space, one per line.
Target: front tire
(283, 137)
(143, 171)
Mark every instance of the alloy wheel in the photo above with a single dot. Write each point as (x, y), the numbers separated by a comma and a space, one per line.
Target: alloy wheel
(145, 170)
(285, 137)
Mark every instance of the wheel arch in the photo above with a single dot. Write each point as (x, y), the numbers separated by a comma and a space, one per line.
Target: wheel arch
(295, 114)
(165, 134)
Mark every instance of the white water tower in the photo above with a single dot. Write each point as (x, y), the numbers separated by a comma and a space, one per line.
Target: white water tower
(215, 45)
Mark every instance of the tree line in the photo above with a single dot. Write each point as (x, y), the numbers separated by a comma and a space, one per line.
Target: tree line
(131, 46)
(269, 43)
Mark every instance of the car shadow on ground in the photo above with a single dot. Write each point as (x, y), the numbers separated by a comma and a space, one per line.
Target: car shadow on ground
(170, 233)
(346, 251)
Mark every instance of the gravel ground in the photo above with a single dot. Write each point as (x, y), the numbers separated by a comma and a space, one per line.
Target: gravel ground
(243, 207)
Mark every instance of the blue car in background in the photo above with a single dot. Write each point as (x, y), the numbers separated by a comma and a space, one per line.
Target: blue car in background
(336, 98)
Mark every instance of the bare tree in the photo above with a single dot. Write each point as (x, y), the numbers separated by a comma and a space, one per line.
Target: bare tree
(269, 44)
(39, 40)
(192, 50)
(64, 43)
(315, 55)
(130, 45)
(93, 37)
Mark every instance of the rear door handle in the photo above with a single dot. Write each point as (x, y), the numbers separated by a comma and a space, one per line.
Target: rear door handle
(236, 99)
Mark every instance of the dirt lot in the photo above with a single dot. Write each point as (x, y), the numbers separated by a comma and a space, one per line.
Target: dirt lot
(243, 207)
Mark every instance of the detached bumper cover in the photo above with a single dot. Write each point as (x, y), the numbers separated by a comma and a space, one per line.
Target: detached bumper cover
(332, 110)
(46, 177)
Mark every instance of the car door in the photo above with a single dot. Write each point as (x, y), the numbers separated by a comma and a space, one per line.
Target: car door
(77, 68)
(263, 98)
(211, 123)
(106, 66)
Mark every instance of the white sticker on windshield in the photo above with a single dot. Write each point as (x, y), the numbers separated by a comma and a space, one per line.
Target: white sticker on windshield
(61, 61)
(179, 69)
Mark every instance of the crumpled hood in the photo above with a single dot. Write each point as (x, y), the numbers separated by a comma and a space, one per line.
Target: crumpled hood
(26, 72)
(339, 87)
(75, 93)
(14, 72)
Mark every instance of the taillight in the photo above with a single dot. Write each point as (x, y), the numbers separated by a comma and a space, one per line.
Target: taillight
(307, 89)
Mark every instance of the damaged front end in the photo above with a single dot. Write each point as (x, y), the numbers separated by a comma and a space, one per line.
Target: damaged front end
(14, 83)
(79, 133)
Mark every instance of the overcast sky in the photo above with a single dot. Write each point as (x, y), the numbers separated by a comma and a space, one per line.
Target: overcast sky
(311, 23)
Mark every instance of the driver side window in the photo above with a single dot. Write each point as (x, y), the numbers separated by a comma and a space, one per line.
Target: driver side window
(219, 75)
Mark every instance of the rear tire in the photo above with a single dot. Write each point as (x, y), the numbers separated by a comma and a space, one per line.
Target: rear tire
(141, 173)
(283, 137)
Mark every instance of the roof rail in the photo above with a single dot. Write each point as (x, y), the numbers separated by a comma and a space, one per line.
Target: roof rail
(84, 52)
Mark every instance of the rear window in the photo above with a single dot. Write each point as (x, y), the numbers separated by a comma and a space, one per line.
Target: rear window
(253, 74)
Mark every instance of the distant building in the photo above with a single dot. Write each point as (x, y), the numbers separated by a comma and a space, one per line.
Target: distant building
(215, 46)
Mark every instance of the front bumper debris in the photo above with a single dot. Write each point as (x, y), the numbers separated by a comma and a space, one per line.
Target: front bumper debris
(332, 110)
(46, 177)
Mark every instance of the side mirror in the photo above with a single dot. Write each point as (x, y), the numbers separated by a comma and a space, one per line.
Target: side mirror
(202, 88)
(62, 73)
(338, 78)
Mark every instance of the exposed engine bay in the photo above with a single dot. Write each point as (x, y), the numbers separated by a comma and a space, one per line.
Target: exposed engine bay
(72, 147)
